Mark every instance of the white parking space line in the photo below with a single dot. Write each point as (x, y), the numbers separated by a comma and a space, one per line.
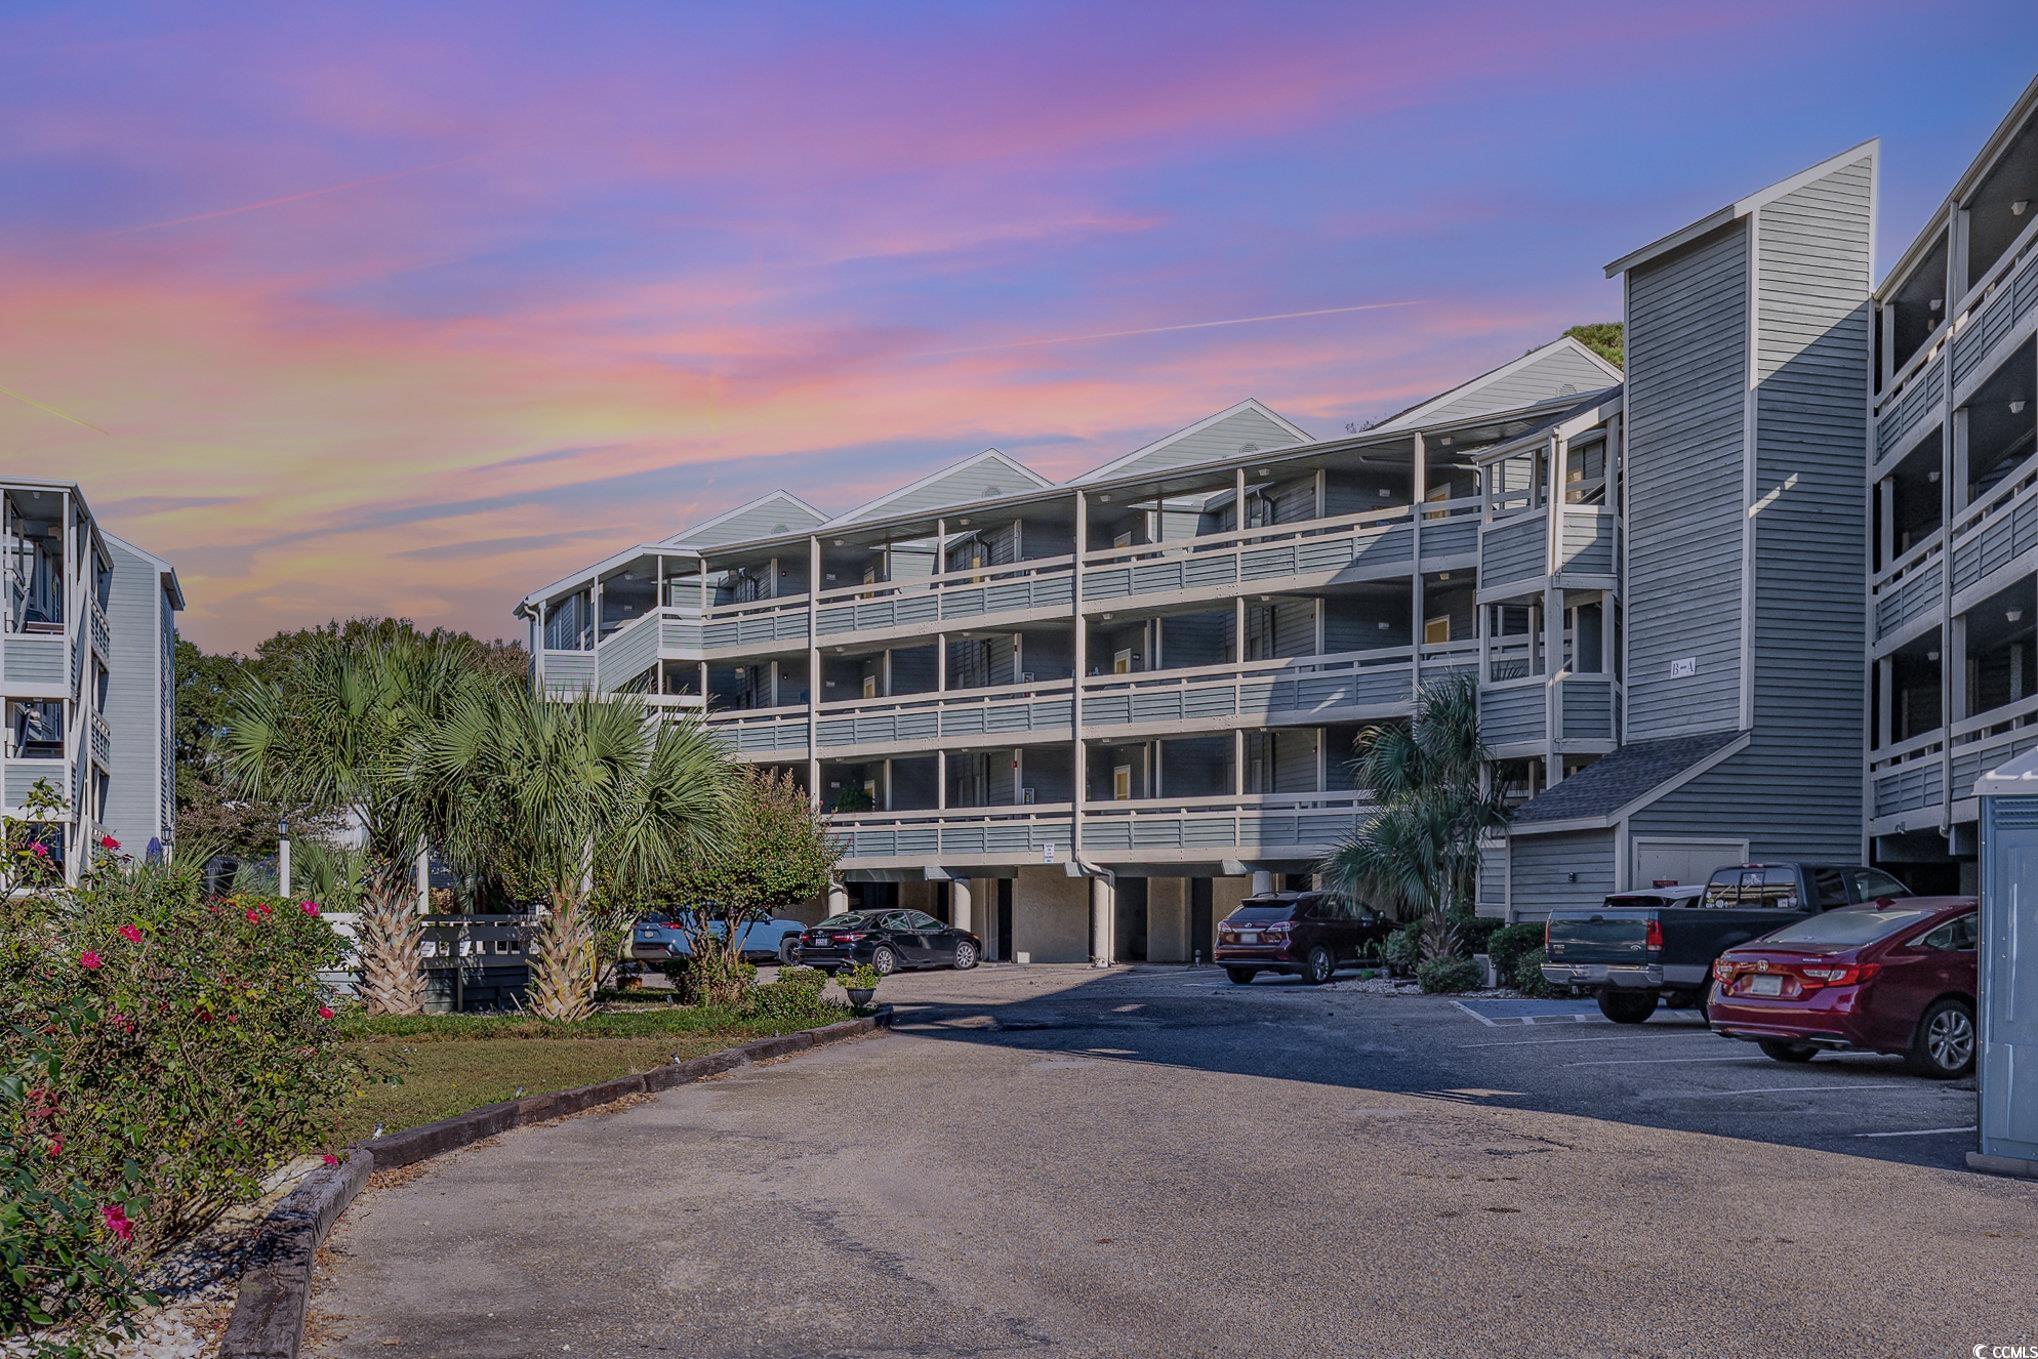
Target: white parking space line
(1805, 1089)
(1482, 1018)
(1921, 1132)
(1656, 1061)
(1549, 1042)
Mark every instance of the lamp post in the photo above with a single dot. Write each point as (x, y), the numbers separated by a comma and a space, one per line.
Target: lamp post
(283, 855)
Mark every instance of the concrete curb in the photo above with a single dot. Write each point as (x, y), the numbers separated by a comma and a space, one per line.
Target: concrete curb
(269, 1309)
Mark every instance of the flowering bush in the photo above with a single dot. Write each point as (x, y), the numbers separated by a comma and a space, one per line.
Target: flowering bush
(159, 1055)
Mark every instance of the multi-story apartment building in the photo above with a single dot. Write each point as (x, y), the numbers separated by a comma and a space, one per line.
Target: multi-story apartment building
(1773, 594)
(1086, 718)
(87, 664)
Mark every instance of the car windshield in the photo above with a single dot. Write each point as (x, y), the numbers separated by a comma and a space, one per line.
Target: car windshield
(1262, 913)
(1845, 927)
(847, 921)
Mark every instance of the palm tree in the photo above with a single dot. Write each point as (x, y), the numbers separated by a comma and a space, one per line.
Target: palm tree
(558, 791)
(1420, 850)
(340, 728)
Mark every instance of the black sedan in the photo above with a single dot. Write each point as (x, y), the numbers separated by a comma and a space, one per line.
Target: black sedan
(888, 941)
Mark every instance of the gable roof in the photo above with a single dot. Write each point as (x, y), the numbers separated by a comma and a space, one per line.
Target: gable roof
(1617, 785)
(1740, 207)
(165, 573)
(1248, 427)
(765, 517)
(1562, 368)
(986, 476)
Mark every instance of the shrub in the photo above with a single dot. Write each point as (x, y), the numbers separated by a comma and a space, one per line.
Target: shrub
(1507, 945)
(862, 977)
(1475, 932)
(794, 996)
(159, 1056)
(1403, 948)
(1528, 976)
(1447, 975)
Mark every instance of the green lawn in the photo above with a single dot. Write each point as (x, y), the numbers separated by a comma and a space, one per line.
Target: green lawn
(428, 1067)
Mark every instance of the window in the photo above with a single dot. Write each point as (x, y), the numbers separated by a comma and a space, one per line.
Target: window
(1848, 928)
(1121, 783)
(1830, 886)
(1121, 662)
(1955, 936)
(920, 922)
(896, 920)
(1764, 887)
(1871, 884)
(1436, 631)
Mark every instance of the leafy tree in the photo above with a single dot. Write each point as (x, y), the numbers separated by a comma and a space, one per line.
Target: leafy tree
(774, 853)
(339, 726)
(1419, 853)
(574, 795)
(1603, 338)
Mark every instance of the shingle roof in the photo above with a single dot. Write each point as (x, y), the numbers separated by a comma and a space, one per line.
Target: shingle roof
(1621, 779)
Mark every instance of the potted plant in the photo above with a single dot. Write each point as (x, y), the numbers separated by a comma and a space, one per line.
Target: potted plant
(861, 983)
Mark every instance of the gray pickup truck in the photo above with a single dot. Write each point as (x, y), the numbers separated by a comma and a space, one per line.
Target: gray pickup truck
(1630, 959)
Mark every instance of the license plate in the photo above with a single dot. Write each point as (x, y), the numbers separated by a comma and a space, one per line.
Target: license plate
(1765, 986)
(1249, 937)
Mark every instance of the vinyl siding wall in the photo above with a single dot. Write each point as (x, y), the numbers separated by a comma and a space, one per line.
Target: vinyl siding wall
(134, 700)
(1687, 332)
(1540, 867)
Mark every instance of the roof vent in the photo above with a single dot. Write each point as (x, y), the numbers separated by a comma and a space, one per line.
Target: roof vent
(1568, 389)
(778, 528)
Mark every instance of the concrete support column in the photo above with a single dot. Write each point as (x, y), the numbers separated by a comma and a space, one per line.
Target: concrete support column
(1263, 881)
(959, 905)
(838, 898)
(1103, 916)
(424, 879)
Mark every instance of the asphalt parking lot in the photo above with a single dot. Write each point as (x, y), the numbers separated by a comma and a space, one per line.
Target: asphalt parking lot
(1151, 1161)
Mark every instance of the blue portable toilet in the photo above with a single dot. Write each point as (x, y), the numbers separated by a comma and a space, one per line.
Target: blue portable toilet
(2007, 1062)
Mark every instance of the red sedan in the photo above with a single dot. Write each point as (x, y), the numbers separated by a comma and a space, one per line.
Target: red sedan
(1895, 976)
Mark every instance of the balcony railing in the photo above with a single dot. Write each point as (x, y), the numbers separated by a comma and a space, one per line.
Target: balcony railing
(19, 775)
(102, 632)
(1909, 587)
(762, 732)
(1513, 549)
(102, 739)
(1318, 550)
(1998, 528)
(1042, 833)
(1909, 776)
(996, 714)
(755, 623)
(1296, 689)
(1994, 306)
(1980, 743)
(1303, 825)
(976, 595)
(1585, 708)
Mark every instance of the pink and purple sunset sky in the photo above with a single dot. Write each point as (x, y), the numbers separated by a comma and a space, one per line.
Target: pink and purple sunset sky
(410, 309)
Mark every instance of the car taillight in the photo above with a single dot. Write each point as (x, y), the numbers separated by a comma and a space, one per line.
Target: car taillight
(1723, 971)
(1850, 974)
(1546, 934)
(847, 938)
(1654, 937)
(1278, 927)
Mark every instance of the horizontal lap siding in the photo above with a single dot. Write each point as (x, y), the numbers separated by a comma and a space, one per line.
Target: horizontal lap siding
(1539, 869)
(1247, 431)
(1811, 428)
(1687, 372)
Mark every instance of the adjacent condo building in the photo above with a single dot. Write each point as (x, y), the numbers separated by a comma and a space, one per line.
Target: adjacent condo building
(87, 662)
(1770, 592)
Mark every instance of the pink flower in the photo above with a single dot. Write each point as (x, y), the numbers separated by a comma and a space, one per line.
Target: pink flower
(325, 1012)
(308, 907)
(254, 916)
(331, 1159)
(131, 933)
(39, 849)
(115, 1218)
(108, 842)
(90, 961)
(56, 1146)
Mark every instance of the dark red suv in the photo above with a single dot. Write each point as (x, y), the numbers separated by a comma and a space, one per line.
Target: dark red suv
(1896, 976)
(1305, 934)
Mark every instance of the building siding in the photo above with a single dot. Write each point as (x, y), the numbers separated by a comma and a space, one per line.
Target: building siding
(135, 708)
(1687, 333)
(1539, 869)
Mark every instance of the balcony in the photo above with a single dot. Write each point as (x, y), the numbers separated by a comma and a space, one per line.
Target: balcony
(34, 660)
(962, 835)
(998, 715)
(102, 739)
(1909, 591)
(102, 632)
(1514, 553)
(1351, 684)
(18, 776)
(1908, 781)
(1583, 711)
(1038, 588)
(759, 625)
(1312, 552)
(1981, 743)
(1995, 530)
(759, 734)
(1269, 825)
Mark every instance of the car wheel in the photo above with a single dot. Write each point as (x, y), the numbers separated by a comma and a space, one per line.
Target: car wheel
(1701, 1001)
(1319, 966)
(965, 956)
(884, 960)
(1239, 975)
(788, 951)
(1778, 1050)
(1944, 1045)
(1627, 1007)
